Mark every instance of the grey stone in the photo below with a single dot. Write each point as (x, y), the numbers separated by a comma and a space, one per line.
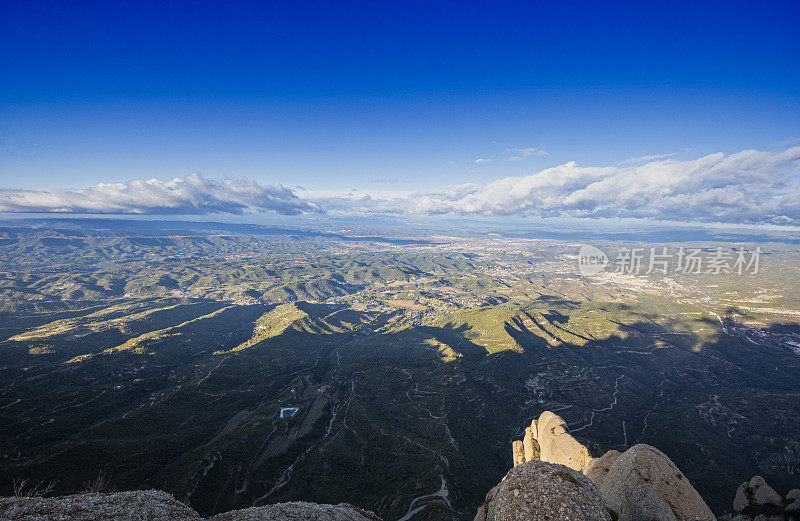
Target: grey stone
(742, 499)
(298, 511)
(139, 505)
(643, 484)
(538, 491)
(763, 494)
(156, 505)
(601, 466)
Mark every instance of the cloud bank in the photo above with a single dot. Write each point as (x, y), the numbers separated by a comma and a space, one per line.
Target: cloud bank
(747, 187)
(192, 194)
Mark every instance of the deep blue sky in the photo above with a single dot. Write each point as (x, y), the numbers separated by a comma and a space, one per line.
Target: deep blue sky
(336, 95)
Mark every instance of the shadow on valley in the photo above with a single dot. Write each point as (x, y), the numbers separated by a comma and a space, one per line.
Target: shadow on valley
(386, 411)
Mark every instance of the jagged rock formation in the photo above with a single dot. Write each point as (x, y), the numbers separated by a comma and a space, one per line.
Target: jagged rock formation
(156, 505)
(755, 500)
(518, 452)
(556, 445)
(536, 490)
(640, 484)
(530, 445)
(756, 492)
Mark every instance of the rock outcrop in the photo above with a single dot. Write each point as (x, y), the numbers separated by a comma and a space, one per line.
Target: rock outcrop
(299, 511)
(518, 452)
(640, 484)
(755, 500)
(555, 444)
(644, 484)
(793, 502)
(536, 490)
(601, 466)
(156, 505)
(529, 444)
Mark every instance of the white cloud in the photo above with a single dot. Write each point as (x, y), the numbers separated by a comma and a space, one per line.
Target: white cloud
(787, 142)
(522, 153)
(387, 201)
(748, 187)
(482, 160)
(642, 159)
(192, 194)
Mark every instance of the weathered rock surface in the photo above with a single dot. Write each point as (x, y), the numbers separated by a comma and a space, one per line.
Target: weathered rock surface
(762, 493)
(557, 445)
(640, 484)
(139, 505)
(742, 498)
(601, 466)
(537, 490)
(299, 511)
(156, 505)
(644, 484)
(753, 493)
(755, 500)
(518, 452)
(527, 444)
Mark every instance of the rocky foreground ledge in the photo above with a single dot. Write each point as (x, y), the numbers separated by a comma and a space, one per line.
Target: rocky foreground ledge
(554, 478)
(156, 505)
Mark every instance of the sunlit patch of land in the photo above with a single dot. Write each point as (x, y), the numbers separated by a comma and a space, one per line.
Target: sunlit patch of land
(402, 359)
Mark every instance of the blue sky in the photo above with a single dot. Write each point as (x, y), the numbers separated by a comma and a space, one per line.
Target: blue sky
(342, 95)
